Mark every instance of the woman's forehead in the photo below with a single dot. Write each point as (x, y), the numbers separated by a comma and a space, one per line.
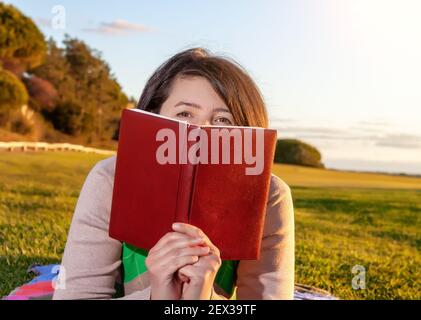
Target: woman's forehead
(196, 92)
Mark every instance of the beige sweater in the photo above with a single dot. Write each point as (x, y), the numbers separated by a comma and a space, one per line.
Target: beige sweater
(92, 260)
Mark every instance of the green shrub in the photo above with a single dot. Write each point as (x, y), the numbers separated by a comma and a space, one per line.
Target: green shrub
(12, 95)
(66, 117)
(292, 151)
(20, 125)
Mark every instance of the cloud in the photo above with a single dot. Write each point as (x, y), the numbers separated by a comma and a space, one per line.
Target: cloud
(375, 126)
(275, 121)
(331, 137)
(406, 141)
(375, 137)
(374, 123)
(314, 130)
(118, 27)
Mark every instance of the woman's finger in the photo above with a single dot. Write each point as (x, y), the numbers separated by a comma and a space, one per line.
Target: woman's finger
(182, 277)
(186, 272)
(192, 251)
(188, 229)
(170, 237)
(177, 258)
(194, 231)
(183, 242)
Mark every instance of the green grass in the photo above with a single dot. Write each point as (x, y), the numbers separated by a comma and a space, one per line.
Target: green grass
(311, 177)
(38, 192)
(337, 229)
(342, 220)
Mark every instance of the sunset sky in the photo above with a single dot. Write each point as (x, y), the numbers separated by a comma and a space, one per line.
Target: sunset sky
(344, 76)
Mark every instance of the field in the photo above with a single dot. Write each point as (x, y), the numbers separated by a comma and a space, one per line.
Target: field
(342, 219)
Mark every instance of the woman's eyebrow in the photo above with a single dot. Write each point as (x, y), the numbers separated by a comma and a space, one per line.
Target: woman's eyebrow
(198, 106)
(222, 110)
(190, 104)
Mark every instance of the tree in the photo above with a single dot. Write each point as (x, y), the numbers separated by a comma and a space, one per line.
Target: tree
(22, 45)
(82, 77)
(42, 92)
(293, 151)
(57, 71)
(12, 95)
(66, 117)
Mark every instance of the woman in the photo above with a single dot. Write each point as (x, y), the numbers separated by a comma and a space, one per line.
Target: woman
(200, 88)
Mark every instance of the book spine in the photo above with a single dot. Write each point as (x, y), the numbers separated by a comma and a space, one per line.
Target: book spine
(185, 182)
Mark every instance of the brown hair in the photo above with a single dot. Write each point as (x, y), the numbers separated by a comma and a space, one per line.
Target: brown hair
(228, 79)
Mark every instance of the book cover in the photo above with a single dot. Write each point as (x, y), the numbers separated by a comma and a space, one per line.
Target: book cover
(214, 177)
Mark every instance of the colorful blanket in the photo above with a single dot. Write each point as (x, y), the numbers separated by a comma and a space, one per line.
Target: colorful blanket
(41, 287)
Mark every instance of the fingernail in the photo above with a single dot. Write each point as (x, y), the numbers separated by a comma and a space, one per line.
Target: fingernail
(175, 225)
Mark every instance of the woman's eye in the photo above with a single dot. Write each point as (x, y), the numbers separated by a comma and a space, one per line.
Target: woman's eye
(184, 114)
(224, 120)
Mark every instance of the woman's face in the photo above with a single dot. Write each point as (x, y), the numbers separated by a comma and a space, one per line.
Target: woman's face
(193, 99)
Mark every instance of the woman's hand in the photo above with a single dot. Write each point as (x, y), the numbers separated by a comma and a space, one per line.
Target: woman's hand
(172, 252)
(198, 277)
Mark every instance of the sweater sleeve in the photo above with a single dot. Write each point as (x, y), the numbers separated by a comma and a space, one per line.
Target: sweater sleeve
(91, 260)
(272, 276)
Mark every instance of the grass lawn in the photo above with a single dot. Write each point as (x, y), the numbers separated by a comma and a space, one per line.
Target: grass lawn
(342, 220)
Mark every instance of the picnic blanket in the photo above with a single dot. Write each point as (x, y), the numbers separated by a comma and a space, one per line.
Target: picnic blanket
(41, 287)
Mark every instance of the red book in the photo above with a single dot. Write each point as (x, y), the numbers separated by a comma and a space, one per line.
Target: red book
(214, 177)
